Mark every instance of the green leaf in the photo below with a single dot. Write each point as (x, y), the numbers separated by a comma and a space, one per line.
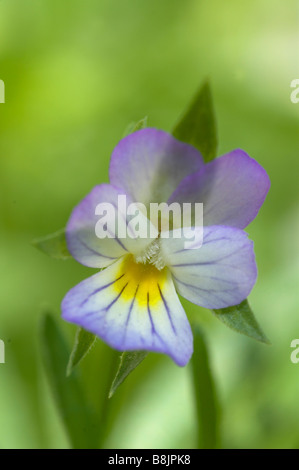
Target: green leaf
(207, 405)
(135, 126)
(83, 343)
(78, 417)
(198, 125)
(53, 245)
(128, 362)
(241, 319)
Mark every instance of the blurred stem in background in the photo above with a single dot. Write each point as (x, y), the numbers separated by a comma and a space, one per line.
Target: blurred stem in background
(207, 405)
(80, 420)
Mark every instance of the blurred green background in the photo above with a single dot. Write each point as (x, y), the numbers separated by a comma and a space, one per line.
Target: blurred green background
(76, 73)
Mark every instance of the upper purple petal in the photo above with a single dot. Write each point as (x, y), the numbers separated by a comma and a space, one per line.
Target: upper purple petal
(149, 164)
(232, 189)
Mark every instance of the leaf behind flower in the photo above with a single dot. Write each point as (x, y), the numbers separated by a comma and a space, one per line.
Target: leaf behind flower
(53, 245)
(83, 343)
(128, 362)
(197, 127)
(241, 319)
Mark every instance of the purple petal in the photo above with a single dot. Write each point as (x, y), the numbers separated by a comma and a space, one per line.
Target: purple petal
(82, 240)
(132, 309)
(232, 189)
(149, 164)
(219, 274)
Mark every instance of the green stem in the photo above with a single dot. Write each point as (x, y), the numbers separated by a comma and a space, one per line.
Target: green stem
(207, 405)
(107, 405)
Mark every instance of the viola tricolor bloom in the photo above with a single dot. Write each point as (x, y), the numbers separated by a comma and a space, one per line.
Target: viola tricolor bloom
(133, 303)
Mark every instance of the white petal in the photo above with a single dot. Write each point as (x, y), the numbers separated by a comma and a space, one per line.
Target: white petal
(132, 306)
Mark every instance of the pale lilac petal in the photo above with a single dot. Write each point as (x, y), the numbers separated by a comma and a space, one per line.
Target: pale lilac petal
(130, 311)
(150, 163)
(82, 240)
(218, 274)
(232, 189)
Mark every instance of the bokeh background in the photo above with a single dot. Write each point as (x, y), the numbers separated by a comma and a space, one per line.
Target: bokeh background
(76, 73)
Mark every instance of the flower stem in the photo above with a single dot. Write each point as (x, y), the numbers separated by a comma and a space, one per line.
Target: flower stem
(207, 406)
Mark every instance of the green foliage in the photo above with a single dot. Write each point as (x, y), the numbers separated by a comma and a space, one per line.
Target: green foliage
(207, 405)
(53, 245)
(241, 319)
(76, 413)
(198, 125)
(83, 343)
(128, 362)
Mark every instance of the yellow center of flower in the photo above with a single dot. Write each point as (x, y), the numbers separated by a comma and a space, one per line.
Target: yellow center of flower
(142, 282)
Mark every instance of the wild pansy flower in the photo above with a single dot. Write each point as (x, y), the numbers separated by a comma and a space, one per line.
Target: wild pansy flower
(133, 303)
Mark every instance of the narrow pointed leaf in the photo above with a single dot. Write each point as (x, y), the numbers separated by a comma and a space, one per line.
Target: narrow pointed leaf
(83, 343)
(198, 125)
(76, 414)
(53, 245)
(135, 126)
(241, 319)
(128, 362)
(207, 405)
